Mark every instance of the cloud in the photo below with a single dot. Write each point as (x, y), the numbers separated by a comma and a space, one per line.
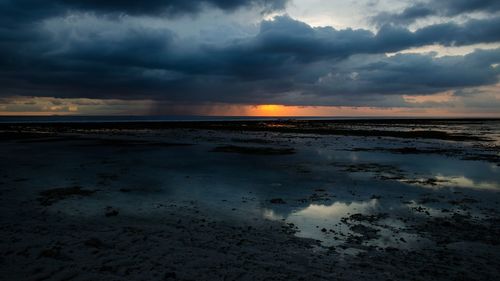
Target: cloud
(167, 6)
(40, 9)
(406, 17)
(412, 73)
(442, 8)
(286, 61)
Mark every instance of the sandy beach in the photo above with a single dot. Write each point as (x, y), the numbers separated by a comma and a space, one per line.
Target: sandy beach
(251, 200)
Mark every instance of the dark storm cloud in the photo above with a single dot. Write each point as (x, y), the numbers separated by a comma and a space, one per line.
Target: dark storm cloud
(413, 73)
(168, 6)
(23, 10)
(446, 34)
(113, 58)
(283, 46)
(406, 17)
(443, 8)
(360, 80)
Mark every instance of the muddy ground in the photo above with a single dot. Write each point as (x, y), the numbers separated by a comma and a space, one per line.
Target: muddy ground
(274, 200)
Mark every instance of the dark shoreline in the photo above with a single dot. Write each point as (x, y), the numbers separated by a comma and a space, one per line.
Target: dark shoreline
(223, 119)
(357, 127)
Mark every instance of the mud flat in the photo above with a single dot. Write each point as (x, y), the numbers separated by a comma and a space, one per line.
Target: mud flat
(251, 200)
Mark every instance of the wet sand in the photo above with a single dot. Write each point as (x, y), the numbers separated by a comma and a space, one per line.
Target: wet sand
(251, 200)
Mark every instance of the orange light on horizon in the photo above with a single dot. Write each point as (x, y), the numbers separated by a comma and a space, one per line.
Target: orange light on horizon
(270, 110)
(425, 106)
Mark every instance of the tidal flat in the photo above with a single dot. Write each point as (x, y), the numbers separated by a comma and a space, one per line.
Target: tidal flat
(251, 200)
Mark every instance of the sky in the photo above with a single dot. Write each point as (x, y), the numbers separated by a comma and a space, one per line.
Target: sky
(250, 57)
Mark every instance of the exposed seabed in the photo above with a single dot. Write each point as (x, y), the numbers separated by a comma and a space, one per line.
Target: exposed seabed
(251, 200)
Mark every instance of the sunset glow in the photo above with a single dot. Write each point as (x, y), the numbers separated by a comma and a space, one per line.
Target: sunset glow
(272, 110)
(55, 106)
